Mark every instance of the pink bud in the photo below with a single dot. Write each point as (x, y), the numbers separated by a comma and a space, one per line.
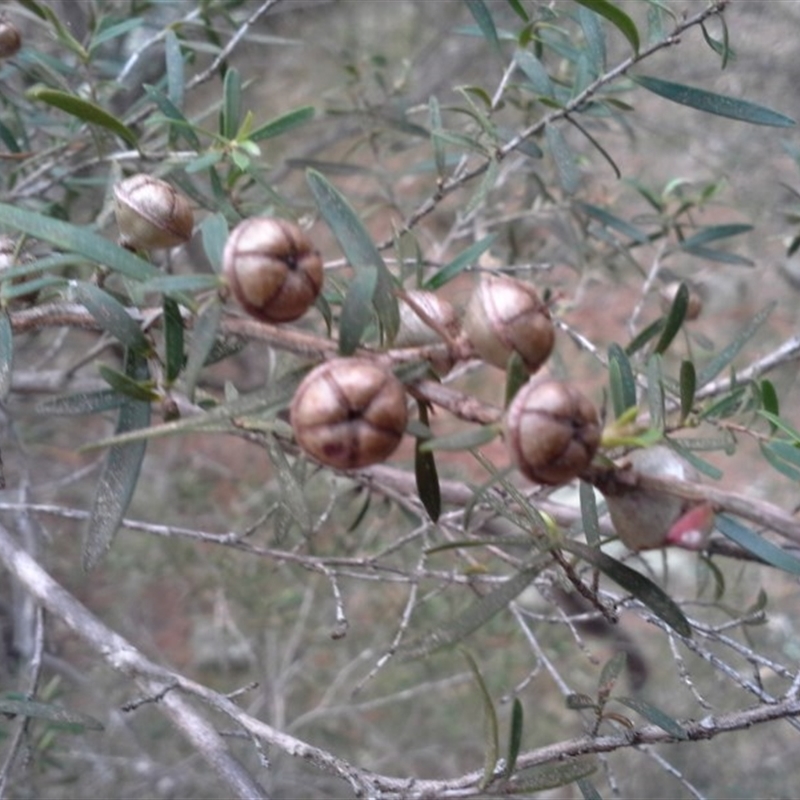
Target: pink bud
(691, 531)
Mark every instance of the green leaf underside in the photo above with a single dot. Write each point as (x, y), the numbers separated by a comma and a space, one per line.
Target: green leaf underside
(360, 251)
(617, 17)
(84, 110)
(622, 379)
(655, 715)
(110, 315)
(120, 474)
(82, 403)
(642, 588)
(78, 240)
(711, 103)
(491, 728)
(477, 614)
(46, 711)
(6, 354)
(460, 263)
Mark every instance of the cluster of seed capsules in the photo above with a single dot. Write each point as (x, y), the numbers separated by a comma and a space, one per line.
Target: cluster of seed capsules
(351, 412)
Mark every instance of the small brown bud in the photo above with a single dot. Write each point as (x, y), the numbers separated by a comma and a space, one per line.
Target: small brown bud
(151, 214)
(506, 316)
(10, 39)
(552, 431)
(272, 268)
(349, 413)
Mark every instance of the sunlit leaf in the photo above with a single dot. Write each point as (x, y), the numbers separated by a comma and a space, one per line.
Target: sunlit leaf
(712, 103)
(84, 110)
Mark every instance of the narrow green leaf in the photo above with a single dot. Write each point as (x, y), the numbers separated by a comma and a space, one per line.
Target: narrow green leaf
(757, 545)
(357, 309)
(514, 738)
(485, 22)
(713, 233)
(477, 614)
(231, 104)
(594, 37)
(486, 185)
(588, 789)
(567, 167)
(783, 457)
(781, 424)
(551, 776)
(175, 72)
(435, 122)
(47, 711)
(589, 516)
(173, 340)
(617, 17)
(460, 263)
(128, 387)
(81, 403)
(644, 336)
(712, 103)
(84, 110)
(177, 284)
(681, 447)
(63, 34)
(656, 716)
(120, 473)
(610, 673)
(642, 588)
(77, 240)
(283, 124)
(769, 400)
(688, 383)
(204, 335)
(611, 221)
(517, 375)
(358, 248)
(463, 440)
(114, 31)
(535, 72)
(655, 392)
(722, 256)
(214, 233)
(110, 315)
(6, 354)
(725, 356)
(622, 380)
(426, 473)
(490, 726)
(675, 318)
(292, 496)
(519, 10)
(179, 123)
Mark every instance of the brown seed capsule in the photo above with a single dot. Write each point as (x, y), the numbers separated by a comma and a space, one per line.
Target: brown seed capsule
(693, 307)
(10, 39)
(552, 431)
(349, 413)
(272, 268)
(151, 214)
(506, 316)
